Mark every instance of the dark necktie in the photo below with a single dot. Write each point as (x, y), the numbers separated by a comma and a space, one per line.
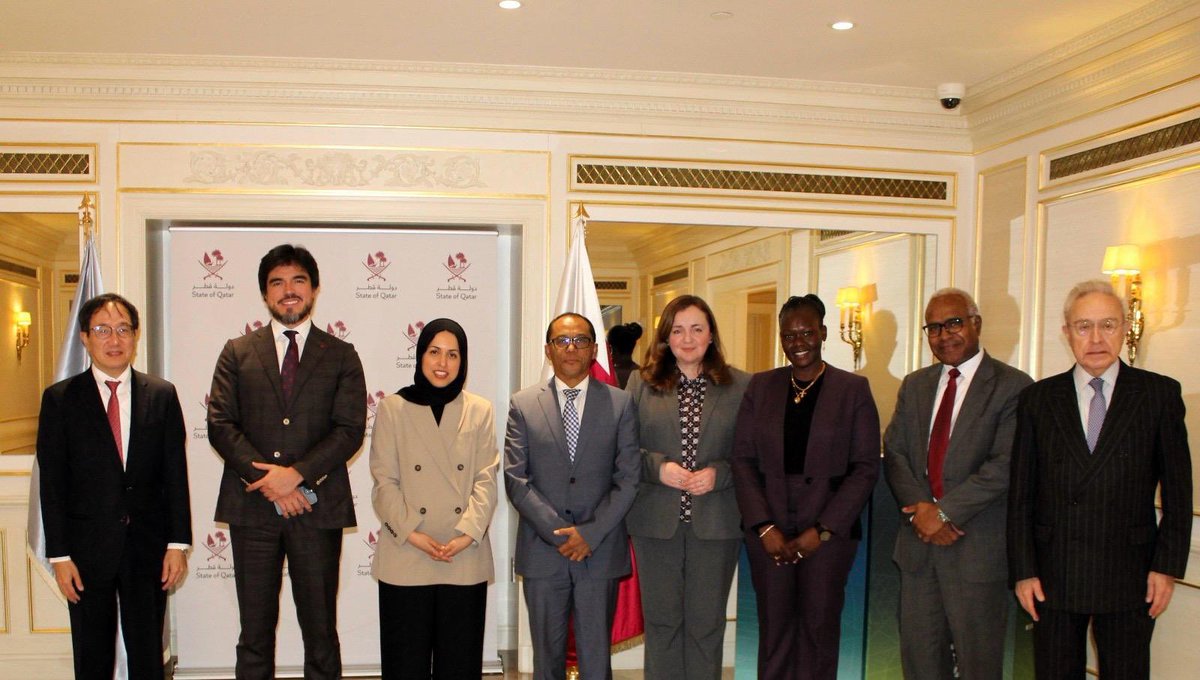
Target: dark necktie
(571, 421)
(1096, 411)
(939, 438)
(291, 362)
(114, 417)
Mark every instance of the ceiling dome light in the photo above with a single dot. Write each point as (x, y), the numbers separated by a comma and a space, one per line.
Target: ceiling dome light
(722, 14)
(510, 4)
(842, 25)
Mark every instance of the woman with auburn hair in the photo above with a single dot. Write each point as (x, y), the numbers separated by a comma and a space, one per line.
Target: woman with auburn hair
(808, 456)
(684, 522)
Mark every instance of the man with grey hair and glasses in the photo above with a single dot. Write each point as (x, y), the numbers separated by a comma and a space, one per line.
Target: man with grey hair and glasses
(946, 458)
(1085, 544)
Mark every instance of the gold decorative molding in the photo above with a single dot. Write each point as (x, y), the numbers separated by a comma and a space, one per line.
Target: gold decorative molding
(759, 180)
(347, 170)
(47, 163)
(1134, 147)
(332, 169)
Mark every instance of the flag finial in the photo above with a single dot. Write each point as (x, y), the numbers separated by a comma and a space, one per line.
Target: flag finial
(87, 215)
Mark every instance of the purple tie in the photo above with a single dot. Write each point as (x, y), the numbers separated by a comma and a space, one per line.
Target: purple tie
(1096, 411)
(291, 362)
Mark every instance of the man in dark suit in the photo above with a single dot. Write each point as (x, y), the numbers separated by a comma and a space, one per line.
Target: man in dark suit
(946, 456)
(287, 410)
(1084, 542)
(571, 468)
(114, 494)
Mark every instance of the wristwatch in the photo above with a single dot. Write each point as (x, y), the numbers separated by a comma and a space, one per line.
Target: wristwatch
(823, 532)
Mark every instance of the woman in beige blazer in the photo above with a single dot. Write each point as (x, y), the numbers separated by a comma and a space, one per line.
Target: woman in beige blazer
(685, 522)
(434, 460)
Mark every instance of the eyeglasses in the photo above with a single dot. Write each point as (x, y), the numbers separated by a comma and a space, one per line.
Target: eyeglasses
(1108, 327)
(952, 325)
(103, 332)
(580, 342)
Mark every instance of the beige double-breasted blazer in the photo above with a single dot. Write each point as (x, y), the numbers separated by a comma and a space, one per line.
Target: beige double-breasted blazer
(436, 479)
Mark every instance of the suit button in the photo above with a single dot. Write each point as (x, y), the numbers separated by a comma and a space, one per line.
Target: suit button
(129, 488)
(125, 520)
(287, 421)
(276, 454)
(422, 511)
(458, 511)
(808, 480)
(417, 468)
(460, 466)
(572, 480)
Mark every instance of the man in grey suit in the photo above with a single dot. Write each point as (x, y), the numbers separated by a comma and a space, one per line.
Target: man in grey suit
(571, 468)
(287, 410)
(1085, 541)
(946, 458)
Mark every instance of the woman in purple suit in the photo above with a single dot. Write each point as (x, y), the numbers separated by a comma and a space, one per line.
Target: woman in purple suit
(806, 457)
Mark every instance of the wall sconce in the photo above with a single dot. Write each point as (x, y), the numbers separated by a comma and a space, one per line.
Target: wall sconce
(850, 311)
(1124, 264)
(24, 321)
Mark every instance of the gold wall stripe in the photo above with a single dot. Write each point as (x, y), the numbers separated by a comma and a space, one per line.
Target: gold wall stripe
(1155, 141)
(758, 180)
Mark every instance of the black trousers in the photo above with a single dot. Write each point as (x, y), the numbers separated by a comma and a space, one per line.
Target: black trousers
(94, 621)
(1122, 644)
(433, 631)
(312, 558)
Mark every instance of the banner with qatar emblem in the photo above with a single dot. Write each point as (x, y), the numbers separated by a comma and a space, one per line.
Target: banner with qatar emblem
(377, 290)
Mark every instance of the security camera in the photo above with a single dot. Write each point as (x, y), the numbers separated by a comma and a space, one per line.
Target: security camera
(951, 94)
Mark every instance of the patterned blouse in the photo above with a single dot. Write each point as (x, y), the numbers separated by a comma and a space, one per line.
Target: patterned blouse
(691, 406)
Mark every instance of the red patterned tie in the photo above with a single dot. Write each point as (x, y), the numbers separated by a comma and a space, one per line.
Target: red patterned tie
(114, 416)
(291, 362)
(939, 438)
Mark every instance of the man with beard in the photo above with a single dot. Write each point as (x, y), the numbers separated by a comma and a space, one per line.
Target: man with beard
(287, 410)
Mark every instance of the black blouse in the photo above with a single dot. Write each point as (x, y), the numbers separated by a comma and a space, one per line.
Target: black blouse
(797, 423)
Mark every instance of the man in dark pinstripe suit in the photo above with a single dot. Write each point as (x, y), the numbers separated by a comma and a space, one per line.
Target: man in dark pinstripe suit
(1084, 542)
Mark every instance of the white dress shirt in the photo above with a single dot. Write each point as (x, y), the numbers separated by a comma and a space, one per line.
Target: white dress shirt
(579, 398)
(281, 340)
(966, 373)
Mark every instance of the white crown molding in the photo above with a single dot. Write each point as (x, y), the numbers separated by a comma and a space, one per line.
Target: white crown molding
(159, 87)
(1106, 34)
(1159, 61)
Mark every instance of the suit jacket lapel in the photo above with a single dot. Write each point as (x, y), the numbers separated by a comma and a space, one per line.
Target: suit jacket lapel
(138, 413)
(264, 346)
(440, 437)
(92, 412)
(315, 347)
(978, 395)
(548, 399)
(926, 385)
(1065, 411)
(1127, 397)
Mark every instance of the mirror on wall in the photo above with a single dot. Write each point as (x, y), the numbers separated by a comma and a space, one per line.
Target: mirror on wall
(39, 265)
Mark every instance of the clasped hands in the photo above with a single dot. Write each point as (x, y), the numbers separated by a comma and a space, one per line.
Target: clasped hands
(279, 485)
(439, 552)
(790, 551)
(697, 482)
(929, 527)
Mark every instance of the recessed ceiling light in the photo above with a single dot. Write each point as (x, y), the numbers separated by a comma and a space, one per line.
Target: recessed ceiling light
(510, 4)
(842, 25)
(721, 15)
